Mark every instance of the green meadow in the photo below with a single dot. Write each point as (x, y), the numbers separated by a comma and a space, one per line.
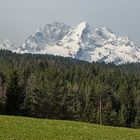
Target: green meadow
(22, 128)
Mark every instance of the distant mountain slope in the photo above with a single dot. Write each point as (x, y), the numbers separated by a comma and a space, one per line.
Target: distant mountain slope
(8, 45)
(81, 42)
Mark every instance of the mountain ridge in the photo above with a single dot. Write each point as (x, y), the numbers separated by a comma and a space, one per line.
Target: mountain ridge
(81, 42)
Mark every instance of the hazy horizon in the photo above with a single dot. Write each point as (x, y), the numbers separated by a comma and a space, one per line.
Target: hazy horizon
(19, 18)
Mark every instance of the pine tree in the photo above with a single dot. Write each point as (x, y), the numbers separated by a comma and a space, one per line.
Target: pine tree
(101, 91)
(2, 93)
(14, 96)
(128, 102)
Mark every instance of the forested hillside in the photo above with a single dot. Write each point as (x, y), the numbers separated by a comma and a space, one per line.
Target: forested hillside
(62, 88)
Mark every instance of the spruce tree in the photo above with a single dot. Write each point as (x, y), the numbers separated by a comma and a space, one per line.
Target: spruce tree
(14, 96)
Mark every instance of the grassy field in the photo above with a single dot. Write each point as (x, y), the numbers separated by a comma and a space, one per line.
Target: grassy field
(21, 128)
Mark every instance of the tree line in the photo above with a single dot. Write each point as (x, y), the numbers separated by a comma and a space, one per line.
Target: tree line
(46, 86)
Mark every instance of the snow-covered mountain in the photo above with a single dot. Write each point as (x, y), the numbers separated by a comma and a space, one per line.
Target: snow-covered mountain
(45, 36)
(8, 45)
(81, 42)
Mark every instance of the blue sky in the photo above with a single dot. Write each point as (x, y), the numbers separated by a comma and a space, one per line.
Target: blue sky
(20, 18)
